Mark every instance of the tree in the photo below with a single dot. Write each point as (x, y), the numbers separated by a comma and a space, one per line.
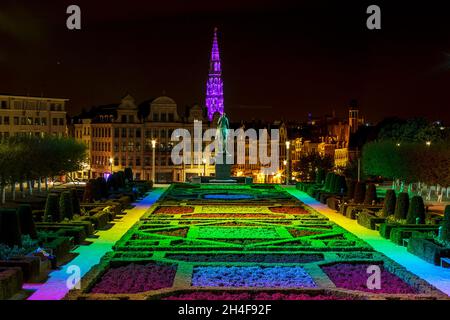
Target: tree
(309, 165)
(389, 203)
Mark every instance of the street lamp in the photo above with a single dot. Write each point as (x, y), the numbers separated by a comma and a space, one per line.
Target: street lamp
(153, 159)
(111, 164)
(428, 143)
(288, 144)
(204, 166)
(285, 168)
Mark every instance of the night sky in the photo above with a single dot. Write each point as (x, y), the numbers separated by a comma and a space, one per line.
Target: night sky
(280, 59)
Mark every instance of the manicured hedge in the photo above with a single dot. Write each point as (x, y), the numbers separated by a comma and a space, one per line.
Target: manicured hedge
(416, 211)
(371, 194)
(52, 213)
(360, 192)
(27, 226)
(10, 233)
(389, 203)
(401, 207)
(66, 205)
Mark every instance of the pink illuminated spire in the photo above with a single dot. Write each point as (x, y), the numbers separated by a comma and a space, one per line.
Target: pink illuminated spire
(214, 86)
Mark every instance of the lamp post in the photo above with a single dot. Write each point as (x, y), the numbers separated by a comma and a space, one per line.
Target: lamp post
(204, 166)
(288, 144)
(285, 169)
(111, 164)
(153, 160)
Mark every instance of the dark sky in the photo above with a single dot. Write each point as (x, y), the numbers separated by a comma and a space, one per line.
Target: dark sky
(281, 59)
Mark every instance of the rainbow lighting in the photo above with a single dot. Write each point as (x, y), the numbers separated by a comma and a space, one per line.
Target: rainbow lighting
(214, 86)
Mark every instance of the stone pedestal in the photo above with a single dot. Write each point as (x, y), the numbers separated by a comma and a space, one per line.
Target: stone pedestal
(223, 170)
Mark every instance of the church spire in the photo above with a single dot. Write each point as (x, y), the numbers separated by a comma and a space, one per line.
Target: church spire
(214, 86)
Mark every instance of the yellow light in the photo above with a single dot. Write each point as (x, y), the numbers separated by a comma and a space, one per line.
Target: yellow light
(153, 143)
(284, 162)
(428, 143)
(110, 160)
(288, 144)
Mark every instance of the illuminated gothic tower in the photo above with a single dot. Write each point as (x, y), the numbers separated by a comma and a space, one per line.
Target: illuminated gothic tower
(214, 86)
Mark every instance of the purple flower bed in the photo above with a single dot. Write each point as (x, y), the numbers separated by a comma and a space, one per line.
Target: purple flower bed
(252, 296)
(249, 257)
(354, 277)
(278, 277)
(134, 278)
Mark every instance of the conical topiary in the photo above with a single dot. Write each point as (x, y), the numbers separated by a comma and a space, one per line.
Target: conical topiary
(128, 174)
(27, 226)
(327, 184)
(65, 205)
(445, 233)
(51, 213)
(389, 203)
(360, 192)
(320, 176)
(10, 233)
(75, 201)
(341, 185)
(402, 205)
(351, 184)
(333, 182)
(371, 194)
(88, 195)
(416, 211)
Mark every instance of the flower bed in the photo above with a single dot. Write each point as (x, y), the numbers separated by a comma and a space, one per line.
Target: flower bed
(302, 233)
(252, 296)
(235, 216)
(279, 277)
(354, 277)
(182, 232)
(249, 257)
(135, 278)
(237, 233)
(289, 210)
(174, 210)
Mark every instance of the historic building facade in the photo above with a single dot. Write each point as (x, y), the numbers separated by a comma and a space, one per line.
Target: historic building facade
(37, 116)
(124, 135)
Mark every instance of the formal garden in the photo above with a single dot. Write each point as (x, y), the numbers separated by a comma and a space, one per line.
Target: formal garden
(272, 247)
(39, 233)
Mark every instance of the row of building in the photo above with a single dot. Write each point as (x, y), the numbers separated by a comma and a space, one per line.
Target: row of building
(127, 134)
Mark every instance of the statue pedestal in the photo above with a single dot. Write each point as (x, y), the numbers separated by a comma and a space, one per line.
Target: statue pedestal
(223, 170)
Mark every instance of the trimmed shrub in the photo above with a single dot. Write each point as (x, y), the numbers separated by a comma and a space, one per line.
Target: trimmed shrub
(88, 195)
(75, 201)
(360, 192)
(52, 213)
(389, 203)
(401, 207)
(121, 179)
(128, 174)
(66, 205)
(327, 184)
(333, 180)
(351, 185)
(371, 194)
(113, 182)
(320, 176)
(446, 224)
(416, 211)
(27, 226)
(103, 187)
(340, 185)
(10, 233)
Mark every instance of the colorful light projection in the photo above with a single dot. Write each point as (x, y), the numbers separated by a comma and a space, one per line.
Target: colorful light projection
(214, 86)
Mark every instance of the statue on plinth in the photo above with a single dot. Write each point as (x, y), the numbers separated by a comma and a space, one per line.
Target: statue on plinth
(222, 133)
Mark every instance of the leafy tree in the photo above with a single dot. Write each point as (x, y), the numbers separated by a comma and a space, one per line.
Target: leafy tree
(309, 165)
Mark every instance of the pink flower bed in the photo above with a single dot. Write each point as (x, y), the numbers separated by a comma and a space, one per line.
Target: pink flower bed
(135, 278)
(289, 210)
(355, 276)
(174, 210)
(251, 296)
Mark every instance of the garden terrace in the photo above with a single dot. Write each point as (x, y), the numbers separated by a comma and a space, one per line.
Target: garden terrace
(209, 249)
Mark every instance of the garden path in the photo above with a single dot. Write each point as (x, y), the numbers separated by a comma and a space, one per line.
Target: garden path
(436, 276)
(55, 287)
